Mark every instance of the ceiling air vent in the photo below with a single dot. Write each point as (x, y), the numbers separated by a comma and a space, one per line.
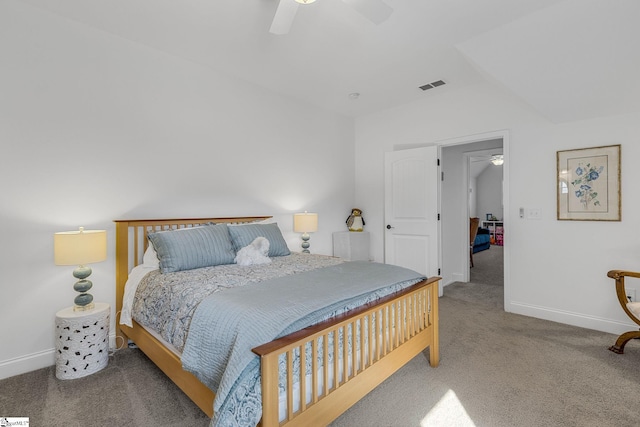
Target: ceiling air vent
(432, 85)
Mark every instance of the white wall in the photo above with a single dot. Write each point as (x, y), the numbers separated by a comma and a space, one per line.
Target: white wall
(489, 192)
(556, 269)
(96, 128)
(473, 197)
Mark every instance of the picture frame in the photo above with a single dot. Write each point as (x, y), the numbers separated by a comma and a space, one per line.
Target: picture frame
(489, 216)
(588, 187)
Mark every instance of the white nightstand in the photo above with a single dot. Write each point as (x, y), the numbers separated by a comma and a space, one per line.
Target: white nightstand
(82, 341)
(351, 245)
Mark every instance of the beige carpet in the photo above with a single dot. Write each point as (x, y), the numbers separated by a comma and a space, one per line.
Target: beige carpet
(487, 280)
(499, 369)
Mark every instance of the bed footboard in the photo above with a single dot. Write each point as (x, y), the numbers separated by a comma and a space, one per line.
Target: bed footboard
(361, 350)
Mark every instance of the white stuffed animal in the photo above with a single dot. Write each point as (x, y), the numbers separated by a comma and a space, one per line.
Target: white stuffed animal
(254, 253)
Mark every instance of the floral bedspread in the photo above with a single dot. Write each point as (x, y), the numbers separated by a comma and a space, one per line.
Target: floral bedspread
(166, 302)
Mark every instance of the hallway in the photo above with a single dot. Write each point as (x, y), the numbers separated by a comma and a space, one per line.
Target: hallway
(487, 279)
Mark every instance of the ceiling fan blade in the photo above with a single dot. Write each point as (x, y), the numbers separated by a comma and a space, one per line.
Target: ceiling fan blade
(376, 11)
(283, 18)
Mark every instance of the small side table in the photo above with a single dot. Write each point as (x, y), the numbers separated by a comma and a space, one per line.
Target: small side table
(82, 341)
(351, 245)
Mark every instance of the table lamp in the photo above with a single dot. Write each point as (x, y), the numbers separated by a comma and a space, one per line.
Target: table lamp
(80, 248)
(305, 223)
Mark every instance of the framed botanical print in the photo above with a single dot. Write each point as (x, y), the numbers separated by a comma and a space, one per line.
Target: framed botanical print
(589, 184)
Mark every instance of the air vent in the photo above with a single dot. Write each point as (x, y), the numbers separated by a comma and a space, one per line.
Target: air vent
(432, 85)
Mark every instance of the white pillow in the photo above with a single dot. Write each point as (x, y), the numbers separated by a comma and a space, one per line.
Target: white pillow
(150, 257)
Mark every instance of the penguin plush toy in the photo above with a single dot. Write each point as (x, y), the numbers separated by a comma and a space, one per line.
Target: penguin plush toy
(355, 222)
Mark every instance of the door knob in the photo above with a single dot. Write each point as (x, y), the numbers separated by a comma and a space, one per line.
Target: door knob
(389, 227)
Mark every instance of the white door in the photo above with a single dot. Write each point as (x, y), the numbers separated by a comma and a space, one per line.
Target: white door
(411, 209)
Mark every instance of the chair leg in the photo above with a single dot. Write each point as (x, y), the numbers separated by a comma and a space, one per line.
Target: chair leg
(471, 256)
(622, 340)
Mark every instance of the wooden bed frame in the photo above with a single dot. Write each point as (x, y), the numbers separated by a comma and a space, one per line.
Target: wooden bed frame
(405, 324)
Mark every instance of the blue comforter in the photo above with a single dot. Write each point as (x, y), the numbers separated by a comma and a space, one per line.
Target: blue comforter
(227, 325)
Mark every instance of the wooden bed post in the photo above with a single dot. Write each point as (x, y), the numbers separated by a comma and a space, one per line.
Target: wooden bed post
(122, 272)
(434, 348)
(270, 401)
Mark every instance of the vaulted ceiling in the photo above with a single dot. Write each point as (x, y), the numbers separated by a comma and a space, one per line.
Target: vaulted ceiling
(568, 59)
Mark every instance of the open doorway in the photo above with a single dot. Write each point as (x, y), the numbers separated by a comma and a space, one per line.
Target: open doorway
(485, 202)
(472, 186)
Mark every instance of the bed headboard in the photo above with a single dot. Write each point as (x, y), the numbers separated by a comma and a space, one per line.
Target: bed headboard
(131, 241)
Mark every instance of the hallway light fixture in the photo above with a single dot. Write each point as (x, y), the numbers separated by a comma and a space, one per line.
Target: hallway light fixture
(497, 159)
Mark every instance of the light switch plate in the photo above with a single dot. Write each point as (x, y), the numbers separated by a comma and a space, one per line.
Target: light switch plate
(534, 213)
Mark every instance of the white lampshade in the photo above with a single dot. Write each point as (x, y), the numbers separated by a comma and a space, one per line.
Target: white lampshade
(305, 222)
(497, 159)
(80, 247)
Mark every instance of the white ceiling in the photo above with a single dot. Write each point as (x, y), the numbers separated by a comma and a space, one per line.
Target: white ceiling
(568, 59)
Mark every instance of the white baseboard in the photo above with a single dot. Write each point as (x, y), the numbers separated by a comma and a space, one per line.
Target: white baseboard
(32, 362)
(27, 363)
(457, 277)
(570, 318)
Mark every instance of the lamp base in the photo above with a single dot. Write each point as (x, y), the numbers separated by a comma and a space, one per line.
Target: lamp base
(87, 307)
(305, 243)
(83, 301)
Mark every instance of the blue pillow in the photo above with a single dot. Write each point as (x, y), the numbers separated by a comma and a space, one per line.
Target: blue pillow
(194, 247)
(243, 235)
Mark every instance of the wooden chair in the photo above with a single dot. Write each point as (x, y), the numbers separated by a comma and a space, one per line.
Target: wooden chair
(628, 308)
(473, 231)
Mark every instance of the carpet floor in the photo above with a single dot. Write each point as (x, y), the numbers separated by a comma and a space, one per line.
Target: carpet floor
(496, 369)
(499, 369)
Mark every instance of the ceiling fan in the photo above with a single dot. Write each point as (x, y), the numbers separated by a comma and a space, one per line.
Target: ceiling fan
(374, 10)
